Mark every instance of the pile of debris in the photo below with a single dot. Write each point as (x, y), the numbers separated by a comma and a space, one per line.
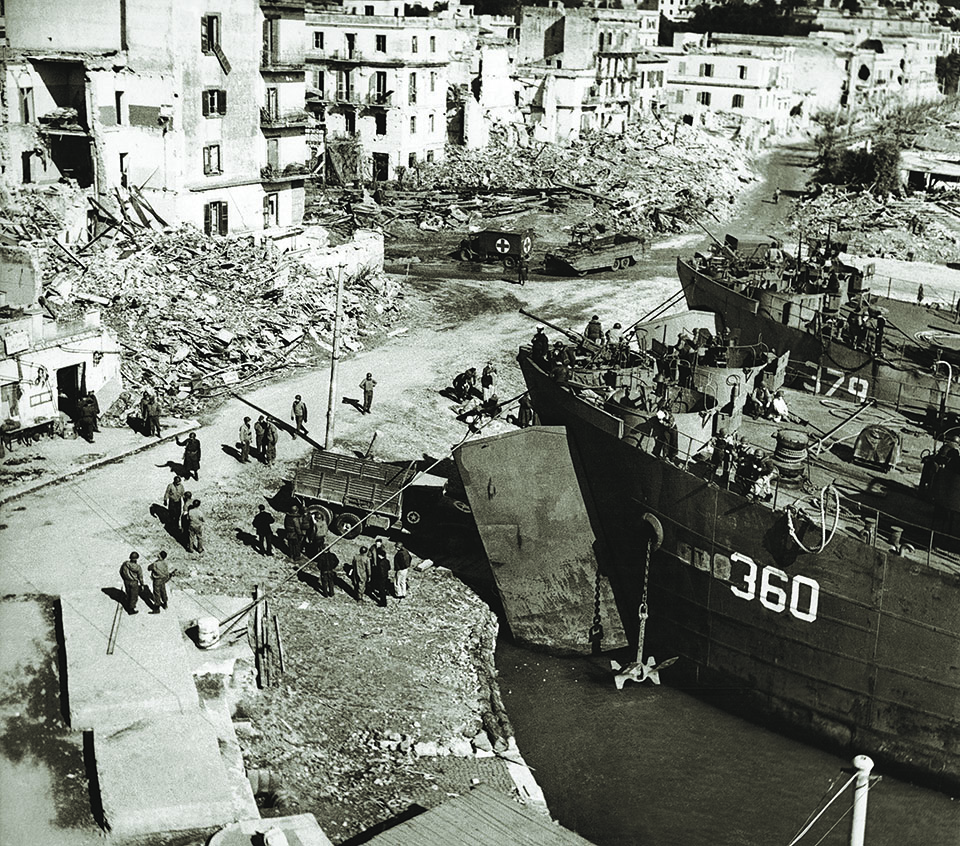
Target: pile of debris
(921, 227)
(198, 315)
(652, 179)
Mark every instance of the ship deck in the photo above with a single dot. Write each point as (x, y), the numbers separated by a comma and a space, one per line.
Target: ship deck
(867, 491)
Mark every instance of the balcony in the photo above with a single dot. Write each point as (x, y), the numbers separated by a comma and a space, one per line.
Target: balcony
(291, 173)
(292, 5)
(345, 96)
(285, 62)
(279, 120)
(342, 56)
(384, 100)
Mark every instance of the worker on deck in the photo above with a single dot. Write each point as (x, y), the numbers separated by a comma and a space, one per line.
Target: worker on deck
(594, 330)
(541, 346)
(779, 411)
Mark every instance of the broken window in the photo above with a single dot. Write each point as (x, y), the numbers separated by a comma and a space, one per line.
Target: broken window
(429, 155)
(211, 160)
(412, 160)
(350, 123)
(271, 210)
(215, 218)
(413, 89)
(209, 33)
(737, 101)
(214, 102)
(124, 170)
(27, 114)
(381, 44)
(703, 98)
(381, 123)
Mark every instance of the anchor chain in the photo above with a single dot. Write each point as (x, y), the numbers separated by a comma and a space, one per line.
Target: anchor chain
(596, 630)
(644, 612)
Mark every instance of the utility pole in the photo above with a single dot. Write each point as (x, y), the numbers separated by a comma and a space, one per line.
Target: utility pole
(334, 361)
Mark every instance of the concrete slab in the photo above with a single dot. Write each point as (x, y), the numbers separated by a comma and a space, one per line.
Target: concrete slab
(148, 673)
(300, 830)
(162, 774)
(217, 713)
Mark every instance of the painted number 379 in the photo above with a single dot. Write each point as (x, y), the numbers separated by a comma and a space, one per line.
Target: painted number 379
(776, 590)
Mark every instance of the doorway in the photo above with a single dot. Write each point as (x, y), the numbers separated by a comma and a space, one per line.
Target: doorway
(70, 385)
(381, 167)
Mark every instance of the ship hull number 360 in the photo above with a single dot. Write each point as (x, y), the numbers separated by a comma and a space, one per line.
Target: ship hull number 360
(773, 588)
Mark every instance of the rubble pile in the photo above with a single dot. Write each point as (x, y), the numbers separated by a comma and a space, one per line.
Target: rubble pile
(921, 227)
(197, 314)
(652, 179)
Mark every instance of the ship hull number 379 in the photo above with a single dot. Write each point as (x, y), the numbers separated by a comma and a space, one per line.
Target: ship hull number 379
(774, 589)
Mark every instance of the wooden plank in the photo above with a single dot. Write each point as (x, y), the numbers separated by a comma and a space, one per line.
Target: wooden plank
(70, 254)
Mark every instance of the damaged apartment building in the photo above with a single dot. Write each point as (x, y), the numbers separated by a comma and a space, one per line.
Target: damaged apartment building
(192, 110)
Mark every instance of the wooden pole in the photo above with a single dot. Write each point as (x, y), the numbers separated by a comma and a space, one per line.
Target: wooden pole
(334, 361)
(276, 629)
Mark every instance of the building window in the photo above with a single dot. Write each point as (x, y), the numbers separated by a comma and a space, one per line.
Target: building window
(737, 101)
(706, 69)
(120, 106)
(381, 123)
(742, 70)
(273, 153)
(27, 114)
(350, 123)
(318, 40)
(431, 122)
(271, 210)
(368, 11)
(211, 160)
(413, 44)
(124, 170)
(429, 155)
(381, 44)
(273, 103)
(318, 81)
(413, 88)
(682, 68)
(214, 102)
(433, 80)
(412, 160)
(678, 96)
(413, 125)
(703, 98)
(209, 33)
(215, 218)
(344, 85)
(433, 44)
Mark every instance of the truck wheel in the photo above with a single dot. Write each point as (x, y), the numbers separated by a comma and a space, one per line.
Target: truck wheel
(510, 263)
(347, 525)
(321, 511)
(616, 264)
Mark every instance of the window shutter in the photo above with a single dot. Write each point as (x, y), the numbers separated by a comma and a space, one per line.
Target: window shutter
(204, 42)
(223, 219)
(206, 219)
(205, 100)
(222, 104)
(206, 160)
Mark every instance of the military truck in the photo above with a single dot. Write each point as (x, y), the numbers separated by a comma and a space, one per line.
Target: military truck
(584, 255)
(495, 245)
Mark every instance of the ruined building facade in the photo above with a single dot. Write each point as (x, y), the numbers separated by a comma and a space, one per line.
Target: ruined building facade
(195, 108)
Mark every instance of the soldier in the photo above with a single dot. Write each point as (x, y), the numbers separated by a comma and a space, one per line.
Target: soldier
(367, 386)
(269, 442)
(246, 437)
(594, 330)
(263, 523)
(327, 562)
(259, 428)
(191, 455)
(173, 502)
(525, 415)
(160, 573)
(152, 422)
(132, 577)
(380, 572)
(401, 567)
(541, 346)
(195, 527)
(523, 270)
(184, 522)
(488, 381)
(293, 532)
(94, 411)
(298, 415)
(360, 572)
(464, 383)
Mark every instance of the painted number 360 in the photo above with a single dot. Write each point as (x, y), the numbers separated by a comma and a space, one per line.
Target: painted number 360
(776, 590)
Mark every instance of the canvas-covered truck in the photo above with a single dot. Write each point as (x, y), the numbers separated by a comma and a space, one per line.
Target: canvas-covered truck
(496, 245)
(343, 489)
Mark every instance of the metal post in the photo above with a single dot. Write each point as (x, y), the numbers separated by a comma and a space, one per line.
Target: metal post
(858, 825)
(334, 361)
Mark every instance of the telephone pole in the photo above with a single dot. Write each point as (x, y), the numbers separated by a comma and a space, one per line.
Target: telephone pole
(334, 361)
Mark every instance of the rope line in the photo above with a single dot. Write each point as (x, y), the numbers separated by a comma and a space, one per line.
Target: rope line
(822, 811)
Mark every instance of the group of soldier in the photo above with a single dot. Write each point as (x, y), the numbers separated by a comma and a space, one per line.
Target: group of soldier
(131, 574)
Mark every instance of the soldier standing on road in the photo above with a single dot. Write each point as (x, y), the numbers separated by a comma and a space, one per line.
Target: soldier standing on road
(132, 577)
(269, 442)
(401, 566)
(360, 572)
(380, 572)
(299, 415)
(920, 294)
(191, 455)
(523, 270)
(327, 562)
(367, 386)
(263, 523)
(184, 522)
(195, 527)
(173, 502)
(160, 573)
(293, 532)
(94, 411)
(246, 437)
(153, 416)
(85, 419)
(259, 429)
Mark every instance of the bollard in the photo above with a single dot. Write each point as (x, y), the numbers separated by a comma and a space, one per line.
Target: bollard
(858, 824)
(896, 536)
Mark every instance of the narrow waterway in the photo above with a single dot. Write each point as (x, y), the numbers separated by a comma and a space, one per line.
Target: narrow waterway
(656, 765)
